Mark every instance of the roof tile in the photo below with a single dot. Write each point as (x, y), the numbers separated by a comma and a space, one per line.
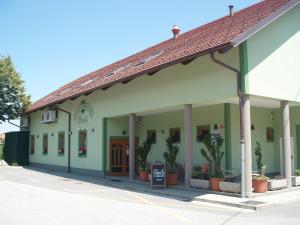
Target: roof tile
(211, 35)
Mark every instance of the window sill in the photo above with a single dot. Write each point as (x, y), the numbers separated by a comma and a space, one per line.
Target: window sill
(60, 154)
(45, 153)
(82, 155)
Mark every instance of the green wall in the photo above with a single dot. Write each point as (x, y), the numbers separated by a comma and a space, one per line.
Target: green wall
(200, 82)
(273, 59)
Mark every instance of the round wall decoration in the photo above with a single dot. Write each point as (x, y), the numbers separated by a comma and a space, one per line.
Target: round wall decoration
(84, 112)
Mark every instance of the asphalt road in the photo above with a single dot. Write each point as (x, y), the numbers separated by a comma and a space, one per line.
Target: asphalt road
(30, 197)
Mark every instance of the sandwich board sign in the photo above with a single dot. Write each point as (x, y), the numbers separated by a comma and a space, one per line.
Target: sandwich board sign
(158, 175)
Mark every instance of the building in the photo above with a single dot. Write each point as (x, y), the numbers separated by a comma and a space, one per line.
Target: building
(190, 84)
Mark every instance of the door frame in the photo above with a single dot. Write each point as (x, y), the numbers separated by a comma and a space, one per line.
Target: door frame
(121, 139)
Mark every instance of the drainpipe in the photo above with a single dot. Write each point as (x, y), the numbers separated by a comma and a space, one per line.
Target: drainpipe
(69, 137)
(240, 95)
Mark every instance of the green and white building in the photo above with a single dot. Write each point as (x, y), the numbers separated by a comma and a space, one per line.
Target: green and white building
(193, 83)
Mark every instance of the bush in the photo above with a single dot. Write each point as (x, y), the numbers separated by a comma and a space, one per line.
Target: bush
(214, 153)
(297, 172)
(1, 151)
(170, 155)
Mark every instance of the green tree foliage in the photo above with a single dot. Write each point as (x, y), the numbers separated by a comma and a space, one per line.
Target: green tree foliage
(142, 154)
(170, 155)
(213, 153)
(13, 98)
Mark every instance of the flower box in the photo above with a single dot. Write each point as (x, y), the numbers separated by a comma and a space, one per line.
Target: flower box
(82, 151)
(232, 187)
(60, 151)
(197, 183)
(295, 181)
(276, 184)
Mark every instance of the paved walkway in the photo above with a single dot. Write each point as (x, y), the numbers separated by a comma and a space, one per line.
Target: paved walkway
(271, 198)
(258, 201)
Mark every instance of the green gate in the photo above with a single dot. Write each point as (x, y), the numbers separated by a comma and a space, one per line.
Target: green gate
(16, 148)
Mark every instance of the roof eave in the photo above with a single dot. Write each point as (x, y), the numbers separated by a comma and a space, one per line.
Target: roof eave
(149, 71)
(263, 23)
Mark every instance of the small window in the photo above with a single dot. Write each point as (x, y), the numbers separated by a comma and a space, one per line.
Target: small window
(61, 143)
(151, 136)
(82, 150)
(45, 143)
(202, 132)
(270, 134)
(175, 134)
(32, 140)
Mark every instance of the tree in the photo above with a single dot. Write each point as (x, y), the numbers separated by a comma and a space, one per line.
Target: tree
(13, 98)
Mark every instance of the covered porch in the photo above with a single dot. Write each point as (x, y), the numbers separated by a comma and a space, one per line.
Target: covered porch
(265, 120)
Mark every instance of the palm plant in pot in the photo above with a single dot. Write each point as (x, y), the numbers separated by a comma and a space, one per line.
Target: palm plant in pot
(214, 154)
(260, 182)
(142, 154)
(170, 156)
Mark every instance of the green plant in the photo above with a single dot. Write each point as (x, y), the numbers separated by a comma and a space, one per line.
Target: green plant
(170, 155)
(259, 163)
(142, 154)
(297, 172)
(14, 164)
(1, 151)
(214, 153)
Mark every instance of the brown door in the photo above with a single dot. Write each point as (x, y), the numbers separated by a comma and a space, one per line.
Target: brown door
(119, 158)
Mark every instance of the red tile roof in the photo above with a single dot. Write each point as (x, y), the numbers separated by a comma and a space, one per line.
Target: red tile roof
(217, 34)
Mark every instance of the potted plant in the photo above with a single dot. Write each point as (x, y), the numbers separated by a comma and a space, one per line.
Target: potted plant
(199, 180)
(296, 178)
(82, 151)
(260, 182)
(170, 156)
(142, 154)
(214, 155)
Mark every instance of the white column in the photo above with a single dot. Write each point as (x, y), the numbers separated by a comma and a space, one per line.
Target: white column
(132, 146)
(286, 140)
(248, 149)
(188, 146)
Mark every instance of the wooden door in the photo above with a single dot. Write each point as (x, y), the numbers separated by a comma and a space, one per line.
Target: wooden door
(118, 158)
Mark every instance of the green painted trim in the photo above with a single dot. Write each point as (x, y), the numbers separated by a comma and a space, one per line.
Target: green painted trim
(298, 145)
(243, 53)
(104, 145)
(227, 127)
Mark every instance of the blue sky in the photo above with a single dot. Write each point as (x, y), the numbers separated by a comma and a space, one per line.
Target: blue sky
(53, 42)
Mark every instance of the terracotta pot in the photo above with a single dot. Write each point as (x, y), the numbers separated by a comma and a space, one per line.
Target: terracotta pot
(144, 175)
(260, 186)
(214, 183)
(172, 178)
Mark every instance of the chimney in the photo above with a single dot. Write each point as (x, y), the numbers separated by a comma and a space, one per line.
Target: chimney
(230, 10)
(175, 31)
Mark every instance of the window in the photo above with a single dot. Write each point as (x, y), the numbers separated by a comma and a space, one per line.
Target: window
(82, 148)
(202, 131)
(270, 134)
(32, 144)
(61, 143)
(121, 68)
(151, 136)
(175, 134)
(45, 144)
(149, 58)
